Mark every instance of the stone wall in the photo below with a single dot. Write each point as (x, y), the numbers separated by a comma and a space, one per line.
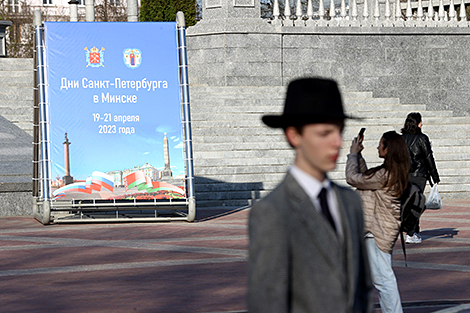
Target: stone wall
(421, 66)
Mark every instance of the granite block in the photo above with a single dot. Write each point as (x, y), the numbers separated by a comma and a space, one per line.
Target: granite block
(16, 203)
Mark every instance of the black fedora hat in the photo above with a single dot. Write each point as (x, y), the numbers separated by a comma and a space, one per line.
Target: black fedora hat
(309, 100)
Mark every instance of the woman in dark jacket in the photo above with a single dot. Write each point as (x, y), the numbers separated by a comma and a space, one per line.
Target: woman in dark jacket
(422, 167)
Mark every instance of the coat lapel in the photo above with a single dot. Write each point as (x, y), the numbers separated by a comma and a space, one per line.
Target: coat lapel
(322, 235)
(347, 241)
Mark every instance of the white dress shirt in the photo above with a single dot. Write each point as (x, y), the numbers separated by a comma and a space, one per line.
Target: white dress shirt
(312, 188)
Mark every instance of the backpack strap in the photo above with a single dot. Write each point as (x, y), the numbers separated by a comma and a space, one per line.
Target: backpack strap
(403, 247)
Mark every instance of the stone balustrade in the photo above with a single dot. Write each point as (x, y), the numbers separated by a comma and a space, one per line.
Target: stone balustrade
(372, 13)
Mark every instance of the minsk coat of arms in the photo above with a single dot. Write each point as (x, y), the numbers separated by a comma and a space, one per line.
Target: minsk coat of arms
(94, 57)
(132, 58)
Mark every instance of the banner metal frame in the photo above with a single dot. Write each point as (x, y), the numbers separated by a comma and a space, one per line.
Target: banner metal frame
(47, 211)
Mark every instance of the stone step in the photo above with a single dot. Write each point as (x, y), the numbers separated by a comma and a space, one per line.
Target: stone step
(244, 146)
(257, 175)
(25, 127)
(204, 89)
(399, 114)
(393, 121)
(232, 112)
(339, 172)
(13, 65)
(254, 126)
(347, 101)
(18, 74)
(218, 183)
(254, 143)
(26, 79)
(17, 178)
(233, 170)
(222, 162)
(274, 105)
(244, 92)
(18, 118)
(16, 104)
(278, 91)
(372, 157)
(356, 94)
(445, 189)
(224, 129)
(433, 132)
(378, 118)
(246, 154)
(239, 94)
(384, 108)
(244, 178)
(202, 136)
(18, 166)
(443, 140)
(247, 127)
(20, 94)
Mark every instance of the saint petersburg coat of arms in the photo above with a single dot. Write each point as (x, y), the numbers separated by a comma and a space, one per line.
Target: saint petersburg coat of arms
(94, 57)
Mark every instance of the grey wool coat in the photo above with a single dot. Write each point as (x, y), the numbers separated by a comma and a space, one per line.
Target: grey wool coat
(296, 261)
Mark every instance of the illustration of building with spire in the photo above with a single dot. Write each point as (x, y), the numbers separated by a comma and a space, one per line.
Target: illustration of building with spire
(150, 171)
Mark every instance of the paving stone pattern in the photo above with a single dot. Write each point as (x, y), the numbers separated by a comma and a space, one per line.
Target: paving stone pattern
(195, 267)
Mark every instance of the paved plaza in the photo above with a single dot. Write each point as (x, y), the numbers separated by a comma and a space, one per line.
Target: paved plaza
(196, 267)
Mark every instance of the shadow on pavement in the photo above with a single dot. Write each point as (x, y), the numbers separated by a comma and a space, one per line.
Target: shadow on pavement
(206, 214)
(440, 232)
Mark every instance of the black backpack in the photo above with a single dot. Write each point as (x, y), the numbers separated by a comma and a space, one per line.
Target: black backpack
(413, 204)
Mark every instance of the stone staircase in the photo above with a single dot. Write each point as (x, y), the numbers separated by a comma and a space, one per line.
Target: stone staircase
(447, 135)
(238, 159)
(16, 125)
(16, 92)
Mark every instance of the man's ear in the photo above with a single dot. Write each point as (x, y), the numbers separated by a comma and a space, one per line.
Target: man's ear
(293, 136)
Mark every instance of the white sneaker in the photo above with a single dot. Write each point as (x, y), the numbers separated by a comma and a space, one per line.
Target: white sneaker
(413, 239)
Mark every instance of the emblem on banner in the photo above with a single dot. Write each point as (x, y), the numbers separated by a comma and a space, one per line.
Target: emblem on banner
(94, 57)
(132, 58)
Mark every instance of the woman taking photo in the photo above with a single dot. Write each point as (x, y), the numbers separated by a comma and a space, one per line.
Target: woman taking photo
(422, 165)
(380, 189)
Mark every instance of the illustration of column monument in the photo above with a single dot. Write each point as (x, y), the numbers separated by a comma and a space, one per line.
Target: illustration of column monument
(67, 179)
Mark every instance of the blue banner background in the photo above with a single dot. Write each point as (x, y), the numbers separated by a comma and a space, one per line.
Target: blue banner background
(74, 106)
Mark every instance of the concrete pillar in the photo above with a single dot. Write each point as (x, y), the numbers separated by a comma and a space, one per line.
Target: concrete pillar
(73, 10)
(132, 11)
(90, 10)
(37, 18)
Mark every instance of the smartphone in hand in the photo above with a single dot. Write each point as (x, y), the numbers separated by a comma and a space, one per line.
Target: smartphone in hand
(360, 136)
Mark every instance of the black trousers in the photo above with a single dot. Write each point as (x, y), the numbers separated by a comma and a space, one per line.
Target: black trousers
(421, 182)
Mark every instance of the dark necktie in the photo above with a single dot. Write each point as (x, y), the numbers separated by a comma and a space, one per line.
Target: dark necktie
(324, 207)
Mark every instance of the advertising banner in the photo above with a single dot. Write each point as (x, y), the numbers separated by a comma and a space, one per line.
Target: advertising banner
(115, 115)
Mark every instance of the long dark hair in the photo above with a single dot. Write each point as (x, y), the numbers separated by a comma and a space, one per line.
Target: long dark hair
(411, 124)
(396, 163)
